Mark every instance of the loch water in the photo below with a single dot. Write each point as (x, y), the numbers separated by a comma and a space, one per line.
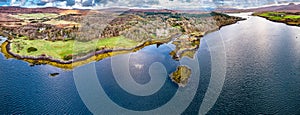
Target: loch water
(262, 76)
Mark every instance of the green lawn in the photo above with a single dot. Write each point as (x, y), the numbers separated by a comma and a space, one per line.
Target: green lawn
(279, 16)
(59, 49)
(292, 16)
(288, 18)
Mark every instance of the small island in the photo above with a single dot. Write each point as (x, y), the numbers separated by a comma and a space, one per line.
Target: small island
(69, 38)
(181, 75)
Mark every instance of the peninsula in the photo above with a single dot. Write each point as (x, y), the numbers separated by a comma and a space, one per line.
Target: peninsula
(69, 38)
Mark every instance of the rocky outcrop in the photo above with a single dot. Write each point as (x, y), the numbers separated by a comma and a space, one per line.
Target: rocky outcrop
(181, 75)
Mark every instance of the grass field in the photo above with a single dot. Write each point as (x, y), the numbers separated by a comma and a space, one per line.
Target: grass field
(35, 16)
(58, 22)
(292, 16)
(280, 16)
(59, 49)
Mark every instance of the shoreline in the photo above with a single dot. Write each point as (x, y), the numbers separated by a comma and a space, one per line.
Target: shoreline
(90, 57)
(286, 21)
(282, 22)
(93, 56)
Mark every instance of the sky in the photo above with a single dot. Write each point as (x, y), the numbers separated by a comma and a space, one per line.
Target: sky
(169, 4)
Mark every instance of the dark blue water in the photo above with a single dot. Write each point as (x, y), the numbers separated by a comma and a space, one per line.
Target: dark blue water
(263, 69)
(262, 76)
(27, 89)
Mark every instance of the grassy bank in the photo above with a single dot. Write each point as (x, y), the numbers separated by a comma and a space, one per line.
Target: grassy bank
(67, 66)
(284, 17)
(60, 49)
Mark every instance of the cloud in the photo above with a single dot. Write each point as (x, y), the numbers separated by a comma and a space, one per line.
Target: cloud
(171, 4)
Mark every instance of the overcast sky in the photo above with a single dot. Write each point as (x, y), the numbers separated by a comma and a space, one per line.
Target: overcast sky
(171, 4)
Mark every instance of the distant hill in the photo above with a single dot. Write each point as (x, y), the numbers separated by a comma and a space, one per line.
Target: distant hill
(281, 8)
(15, 9)
(287, 8)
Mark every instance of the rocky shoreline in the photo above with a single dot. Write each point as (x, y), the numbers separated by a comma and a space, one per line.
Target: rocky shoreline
(181, 75)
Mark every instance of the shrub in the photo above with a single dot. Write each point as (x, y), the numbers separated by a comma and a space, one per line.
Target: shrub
(31, 49)
(68, 57)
